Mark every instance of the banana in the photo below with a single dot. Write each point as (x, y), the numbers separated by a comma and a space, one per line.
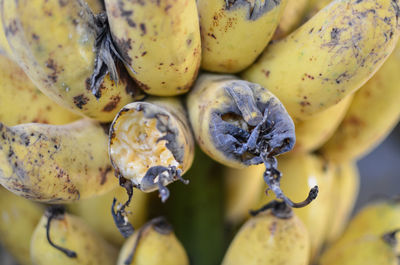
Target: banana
(62, 238)
(151, 144)
(55, 163)
(346, 182)
(96, 213)
(330, 56)
(313, 7)
(272, 237)
(19, 218)
(54, 43)
(154, 244)
(22, 102)
(160, 41)
(314, 132)
(241, 189)
(5, 48)
(299, 173)
(373, 113)
(235, 32)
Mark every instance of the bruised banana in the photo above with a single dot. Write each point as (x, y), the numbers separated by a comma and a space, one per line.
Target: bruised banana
(19, 218)
(55, 163)
(55, 42)
(300, 173)
(151, 145)
(159, 41)
(275, 236)
(346, 182)
(314, 132)
(330, 56)
(153, 244)
(96, 212)
(373, 113)
(22, 102)
(235, 32)
(62, 238)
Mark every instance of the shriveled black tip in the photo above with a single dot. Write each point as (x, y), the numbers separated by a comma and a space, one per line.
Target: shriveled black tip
(121, 221)
(279, 209)
(390, 238)
(312, 195)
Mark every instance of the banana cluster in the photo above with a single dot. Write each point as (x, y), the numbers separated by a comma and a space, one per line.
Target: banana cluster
(102, 105)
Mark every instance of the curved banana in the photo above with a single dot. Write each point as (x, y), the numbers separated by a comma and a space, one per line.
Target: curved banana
(241, 189)
(373, 113)
(19, 218)
(272, 237)
(22, 102)
(62, 238)
(55, 163)
(330, 56)
(153, 244)
(300, 173)
(160, 42)
(151, 144)
(346, 181)
(314, 132)
(96, 212)
(235, 32)
(54, 42)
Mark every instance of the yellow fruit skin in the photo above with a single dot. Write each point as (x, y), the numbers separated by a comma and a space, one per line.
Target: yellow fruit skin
(346, 182)
(314, 132)
(55, 163)
(160, 40)
(18, 219)
(299, 174)
(373, 113)
(329, 57)
(241, 189)
(96, 212)
(5, 49)
(95, 5)
(233, 37)
(74, 234)
(266, 239)
(154, 248)
(22, 102)
(53, 42)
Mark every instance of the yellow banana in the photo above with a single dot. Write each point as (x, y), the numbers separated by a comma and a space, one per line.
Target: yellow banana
(272, 237)
(96, 213)
(19, 218)
(373, 113)
(54, 42)
(314, 132)
(61, 238)
(5, 49)
(299, 173)
(154, 244)
(22, 102)
(55, 163)
(235, 32)
(160, 42)
(346, 183)
(241, 189)
(330, 56)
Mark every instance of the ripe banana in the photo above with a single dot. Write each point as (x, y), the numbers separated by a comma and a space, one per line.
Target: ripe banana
(346, 181)
(373, 113)
(22, 102)
(153, 244)
(299, 173)
(54, 42)
(235, 32)
(241, 189)
(160, 42)
(151, 144)
(272, 237)
(19, 218)
(96, 213)
(314, 132)
(330, 56)
(61, 238)
(55, 163)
